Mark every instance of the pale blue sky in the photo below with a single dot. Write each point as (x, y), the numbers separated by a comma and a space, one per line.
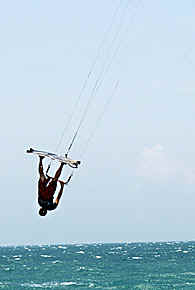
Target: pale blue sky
(137, 179)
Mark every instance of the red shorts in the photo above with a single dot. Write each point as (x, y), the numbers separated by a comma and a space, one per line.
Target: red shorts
(47, 192)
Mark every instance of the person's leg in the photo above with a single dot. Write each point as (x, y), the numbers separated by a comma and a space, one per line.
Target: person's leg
(48, 179)
(51, 188)
(68, 179)
(42, 175)
(58, 172)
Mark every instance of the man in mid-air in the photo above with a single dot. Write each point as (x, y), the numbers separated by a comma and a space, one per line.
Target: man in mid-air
(46, 189)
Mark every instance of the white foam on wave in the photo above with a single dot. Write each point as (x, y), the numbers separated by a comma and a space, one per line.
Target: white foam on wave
(190, 283)
(4, 283)
(67, 283)
(48, 284)
(55, 262)
(35, 285)
(188, 273)
(81, 268)
(80, 252)
(136, 258)
(46, 256)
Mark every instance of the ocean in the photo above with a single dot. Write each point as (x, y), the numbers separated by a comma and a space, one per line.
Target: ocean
(166, 265)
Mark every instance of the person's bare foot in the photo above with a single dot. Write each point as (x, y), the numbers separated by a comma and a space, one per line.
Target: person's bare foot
(30, 150)
(41, 157)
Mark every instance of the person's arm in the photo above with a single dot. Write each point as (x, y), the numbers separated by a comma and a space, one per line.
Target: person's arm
(69, 178)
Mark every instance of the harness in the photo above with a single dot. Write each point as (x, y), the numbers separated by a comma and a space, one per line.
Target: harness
(47, 204)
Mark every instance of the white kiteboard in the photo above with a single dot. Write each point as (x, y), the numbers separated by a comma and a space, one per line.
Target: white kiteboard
(62, 159)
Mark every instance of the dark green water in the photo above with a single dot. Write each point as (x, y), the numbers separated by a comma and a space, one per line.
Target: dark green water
(99, 266)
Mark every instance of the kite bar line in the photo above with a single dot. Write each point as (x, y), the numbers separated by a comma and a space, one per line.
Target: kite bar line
(106, 33)
(83, 116)
(100, 117)
(100, 79)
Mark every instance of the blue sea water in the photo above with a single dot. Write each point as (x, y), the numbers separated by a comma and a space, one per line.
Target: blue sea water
(167, 265)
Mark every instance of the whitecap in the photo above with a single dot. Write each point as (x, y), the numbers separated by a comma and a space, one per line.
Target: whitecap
(48, 284)
(118, 248)
(43, 285)
(98, 257)
(188, 273)
(81, 268)
(46, 256)
(32, 285)
(80, 252)
(136, 258)
(55, 262)
(67, 283)
(4, 283)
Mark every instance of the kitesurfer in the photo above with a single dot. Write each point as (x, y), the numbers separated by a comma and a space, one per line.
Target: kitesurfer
(46, 189)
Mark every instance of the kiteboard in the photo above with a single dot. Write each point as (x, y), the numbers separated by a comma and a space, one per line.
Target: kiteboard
(62, 159)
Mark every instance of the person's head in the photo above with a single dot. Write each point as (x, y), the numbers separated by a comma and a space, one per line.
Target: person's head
(42, 211)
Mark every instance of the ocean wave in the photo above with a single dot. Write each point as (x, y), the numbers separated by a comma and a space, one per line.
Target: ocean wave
(48, 284)
(46, 256)
(80, 252)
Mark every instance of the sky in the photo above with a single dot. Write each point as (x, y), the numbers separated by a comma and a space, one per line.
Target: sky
(136, 181)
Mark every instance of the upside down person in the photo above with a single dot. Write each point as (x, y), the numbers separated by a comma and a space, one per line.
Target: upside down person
(46, 189)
